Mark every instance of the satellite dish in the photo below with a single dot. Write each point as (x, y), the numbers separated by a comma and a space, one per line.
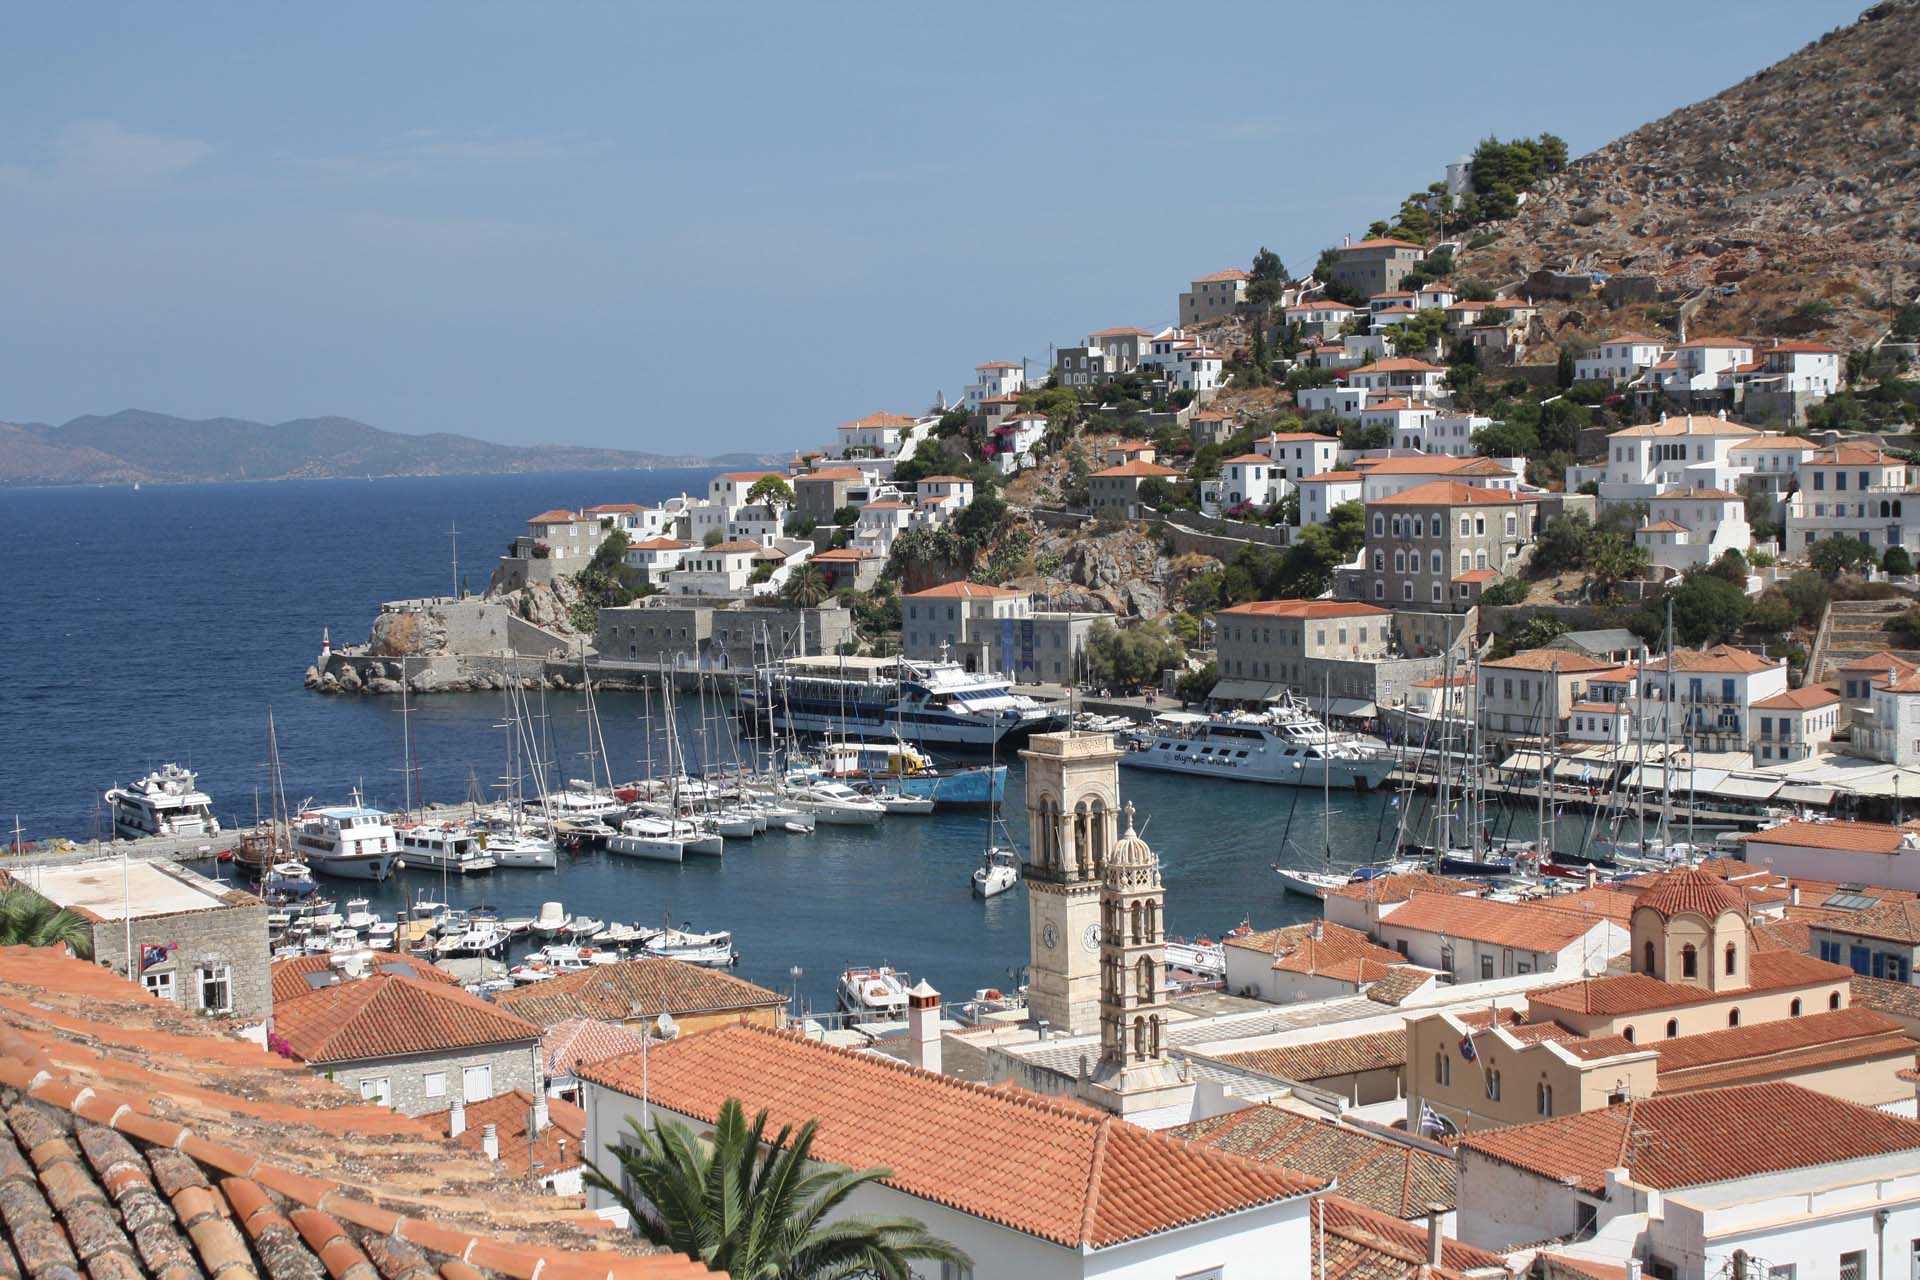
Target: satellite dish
(665, 1027)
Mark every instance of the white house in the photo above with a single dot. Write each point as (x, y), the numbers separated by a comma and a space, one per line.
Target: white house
(730, 488)
(1320, 494)
(1478, 939)
(1299, 453)
(1405, 420)
(723, 569)
(1688, 452)
(1806, 368)
(1301, 962)
(655, 557)
(1251, 478)
(1888, 728)
(1712, 691)
(1688, 528)
(1793, 725)
(1026, 1185)
(1770, 1179)
(633, 519)
(1443, 433)
(1322, 318)
(1011, 440)
(1466, 315)
(994, 379)
(1619, 360)
(875, 436)
(956, 491)
(1853, 491)
(880, 523)
(1866, 853)
(1347, 401)
(1698, 364)
(1408, 379)
(1198, 370)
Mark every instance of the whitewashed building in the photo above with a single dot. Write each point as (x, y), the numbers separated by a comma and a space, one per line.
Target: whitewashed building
(1011, 440)
(1320, 494)
(723, 569)
(1299, 453)
(1866, 853)
(1619, 360)
(994, 379)
(1854, 491)
(1690, 528)
(1693, 451)
(1794, 725)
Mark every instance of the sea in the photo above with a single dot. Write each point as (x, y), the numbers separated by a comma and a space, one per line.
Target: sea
(164, 624)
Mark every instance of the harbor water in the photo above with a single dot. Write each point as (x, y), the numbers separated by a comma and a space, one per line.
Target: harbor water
(161, 625)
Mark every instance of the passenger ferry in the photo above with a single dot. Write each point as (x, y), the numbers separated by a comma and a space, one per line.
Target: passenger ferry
(167, 802)
(348, 842)
(445, 846)
(919, 701)
(1287, 745)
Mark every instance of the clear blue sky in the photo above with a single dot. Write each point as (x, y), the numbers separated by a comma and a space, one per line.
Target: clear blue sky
(532, 223)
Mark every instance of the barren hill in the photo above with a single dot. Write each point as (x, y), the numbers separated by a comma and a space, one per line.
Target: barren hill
(1800, 184)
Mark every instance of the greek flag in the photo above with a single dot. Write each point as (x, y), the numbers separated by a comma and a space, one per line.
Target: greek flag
(1432, 1123)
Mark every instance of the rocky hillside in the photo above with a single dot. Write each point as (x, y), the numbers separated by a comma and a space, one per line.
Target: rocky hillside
(1800, 185)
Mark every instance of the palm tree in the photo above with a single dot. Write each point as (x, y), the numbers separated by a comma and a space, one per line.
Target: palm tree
(29, 920)
(756, 1211)
(806, 586)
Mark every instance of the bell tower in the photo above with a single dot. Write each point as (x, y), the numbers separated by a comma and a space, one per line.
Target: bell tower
(1073, 792)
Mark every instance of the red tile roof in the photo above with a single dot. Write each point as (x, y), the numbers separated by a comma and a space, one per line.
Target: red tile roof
(1690, 892)
(1642, 993)
(1721, 659)
(1398, 888)
(1532, 926)
(1567, 662)
(659, 544)
(567, 1045)
(556, 516)
(964, 591)
(997, 364)
(1231, 273)
(555, 1148)
(1321, 1059)
(1451, 493)
(386, 1016)
(1388, 1176)
(1137, 468)
(1305, 609)
(1897, 920)
(1122, 332)
(1061, 1172)
(1296, 437)
(831, 473)
(1850, 837)
(1824, 1040)
(290, 974)
(1805, 699)
(878, 420)
(633, 989)
(1379, 242)
(1362, 1243)
(1689, 1139)
(1714, 343)
(1397, 366)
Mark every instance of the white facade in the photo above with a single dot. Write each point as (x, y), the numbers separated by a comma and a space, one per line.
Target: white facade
(994, 379)
(1299, 454)
(1688, 528)
(1405, 420)
(1854, 491)
(1471, 959)
(713, 571)
(1698, 364)
(1345, 401)
(1410, 379)
(1784, 732)
(1320, 494)
(1619, 360)
(879, 524)
(1690, 452)
(1198, 370)
(656, 556)
(1013, 438)
(1448, 434)
(1324, 318)
(1889, 729)
(1251, 478)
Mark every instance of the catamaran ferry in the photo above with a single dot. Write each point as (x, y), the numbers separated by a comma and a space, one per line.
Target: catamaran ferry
(1286, 745)
(919, 701)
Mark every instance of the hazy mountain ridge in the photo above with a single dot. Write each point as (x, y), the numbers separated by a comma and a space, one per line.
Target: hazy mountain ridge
(137, 444)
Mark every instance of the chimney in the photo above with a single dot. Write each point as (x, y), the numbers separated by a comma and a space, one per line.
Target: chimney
(490, 1141)
(1435, 1214)
(1319, 930)
(540, 1112)
(1795, 897)
(923, 1027)
(457, 1118)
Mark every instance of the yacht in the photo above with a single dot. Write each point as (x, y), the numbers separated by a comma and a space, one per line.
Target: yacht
(873, 992)
(999, 873)
(918, 700)
(838, 804)
(654, 839)
(347, 842)
(445, 846)
(522, 849)
(1286, 745)
(899, 802)
(711, 950)
(1310, 884)
(167, 802)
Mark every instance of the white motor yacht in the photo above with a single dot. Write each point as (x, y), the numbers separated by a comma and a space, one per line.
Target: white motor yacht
(1201, 957)
(167, 802)
(837, 804)
(873, 992)
(651, 838)
(347, 841)
(444, 846)
(381, 933)
(1286, 744)
(519, 849)
(999, 873)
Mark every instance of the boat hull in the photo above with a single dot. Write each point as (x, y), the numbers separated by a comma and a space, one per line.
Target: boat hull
(923, 728)
(955, 789)
(647, 848)
(377, 867)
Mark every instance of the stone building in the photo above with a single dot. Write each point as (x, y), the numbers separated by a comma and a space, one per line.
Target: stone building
(409, 1044)
(200, 944)
(1073, 793)
(1439, 545)
(1117, 489)
(718, 635)
(1375, 266)
(1346, 658)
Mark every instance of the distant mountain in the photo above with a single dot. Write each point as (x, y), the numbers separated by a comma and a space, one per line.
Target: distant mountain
(136, 444)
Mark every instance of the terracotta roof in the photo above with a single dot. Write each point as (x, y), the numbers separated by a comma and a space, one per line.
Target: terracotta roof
(1398, 366)
(1851, 837)
(1567, 662)
(1058, 1171)
(1804, 699)
(618, 506)
(129, 1119)
(744, 477)
(878, 420)
(1361, 1243)
(963, 591)
(1851, 455)
(1632, 339)
(1331, 477)
(1296, 437)
(1688, 1139)
(1391, 1177)
(632, 989)
(997, 364)
(886, 504)
(1802, 348)
(1393, 987)
(554, 1149)
(659, 544)
(1379, 242)
(290, 974)
(1451, 493)
(1137, 468)
(1296, 949)
(1341, 1056)
(1401, 406)
(1532, 926)
(1716, 343)
(1797, 1045)
(1690, 892)
(1259, 458)
(1614, 903)
(1897, 920)
(386, 1016)
(1721, 659)
(1398, 888)
(946, 479)
(1599, 708)
(1664, 526)
(1895, 999)
(1642, 993)
(831, 473)
(1685, 426)
(568, 1044)
(1120, 333)
(844, 555)
(1306, 609)
(731, 548)
(556, 516)
(1212, 415)
(1231, 273)
(1325, 304)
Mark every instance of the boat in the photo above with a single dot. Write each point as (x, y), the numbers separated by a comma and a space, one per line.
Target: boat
(711, 950)
(838, 804)
(521, 849)
(1286, 744)
(873, 992)
(443, 846)
(1311, 884)
(381, 935)
(999, 873)
(895, 802)
(348, 842)
(358, 917)
(651, 838)
(903, 768)
(167, 802)
(922, 701)
(1201, 957)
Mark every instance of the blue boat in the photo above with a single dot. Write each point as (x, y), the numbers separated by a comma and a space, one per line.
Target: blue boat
(897, 766)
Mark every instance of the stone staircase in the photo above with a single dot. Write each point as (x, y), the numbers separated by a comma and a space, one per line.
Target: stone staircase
(1855, 629)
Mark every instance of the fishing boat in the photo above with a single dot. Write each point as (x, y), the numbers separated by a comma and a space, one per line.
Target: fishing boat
(870, 992)
(923, 701)
(710, 950)
(167, 802)
(1287, 745)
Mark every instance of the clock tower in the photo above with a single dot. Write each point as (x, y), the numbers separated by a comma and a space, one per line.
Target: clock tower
(1073, 795)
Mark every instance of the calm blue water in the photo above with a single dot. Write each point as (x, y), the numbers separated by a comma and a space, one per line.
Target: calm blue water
(143, 627)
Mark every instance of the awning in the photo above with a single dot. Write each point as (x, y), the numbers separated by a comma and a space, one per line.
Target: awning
(1581, 771)
(1521, 762)
(1247, 691)
(1747, 788)
(1801, 793)
(1355, 708)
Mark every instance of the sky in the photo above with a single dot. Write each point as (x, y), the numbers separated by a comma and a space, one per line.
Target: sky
(715, 227)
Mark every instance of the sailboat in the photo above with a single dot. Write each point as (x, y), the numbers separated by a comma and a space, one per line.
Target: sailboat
(999, 870)
(266, 844)
(520, 845)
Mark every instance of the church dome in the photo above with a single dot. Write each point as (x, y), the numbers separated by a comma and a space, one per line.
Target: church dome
(1690, 891)
(1131, 852)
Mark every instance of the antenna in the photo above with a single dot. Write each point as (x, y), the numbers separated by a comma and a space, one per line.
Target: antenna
(453, 532)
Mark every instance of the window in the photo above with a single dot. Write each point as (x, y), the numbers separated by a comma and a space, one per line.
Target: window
(1626, 1033)
(1493, 1086)
(1689, 962)
(434, 1084)
(1673, 1027)
(1793, 1010)
(377, 1089)
(216, 986)
(158, 985)
(1853, 1264)
(1442, 1067)
(1543, 1098)
(1732, 962)
(1733, 1017)
(1486, 968)
(1646, 955)
(1785, 1271)
(1833, 1001)
(476, 1083)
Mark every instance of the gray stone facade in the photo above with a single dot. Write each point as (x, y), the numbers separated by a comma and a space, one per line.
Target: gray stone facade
(717, 636)
(1437, 556)
(220, 951)
(1375, 267)
(407, 1080)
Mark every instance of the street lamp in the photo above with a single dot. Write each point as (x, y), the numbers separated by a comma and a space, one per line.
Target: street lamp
(793, 974)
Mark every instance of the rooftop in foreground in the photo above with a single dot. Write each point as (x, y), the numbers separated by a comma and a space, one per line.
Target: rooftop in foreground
(107, 889)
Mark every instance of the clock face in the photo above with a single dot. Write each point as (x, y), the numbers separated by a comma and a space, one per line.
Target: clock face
(1049, 936)
(1090, 938)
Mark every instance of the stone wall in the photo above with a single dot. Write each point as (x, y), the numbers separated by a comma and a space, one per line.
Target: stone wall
(234, 936)
(515, 1066)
